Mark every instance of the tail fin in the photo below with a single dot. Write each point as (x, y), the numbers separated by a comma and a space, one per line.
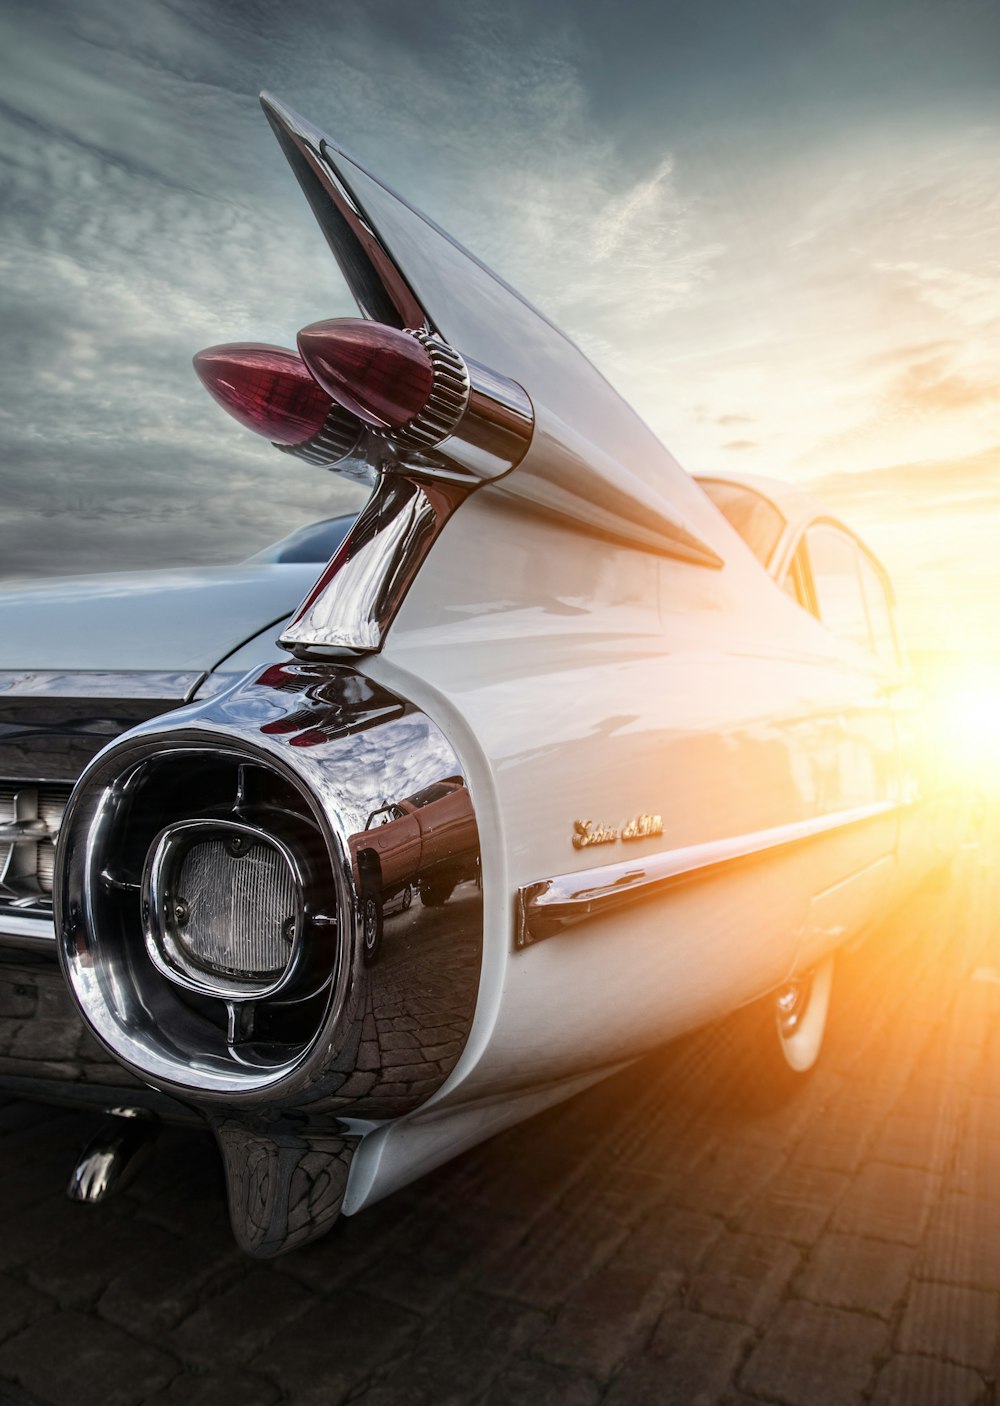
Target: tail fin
(592, 460)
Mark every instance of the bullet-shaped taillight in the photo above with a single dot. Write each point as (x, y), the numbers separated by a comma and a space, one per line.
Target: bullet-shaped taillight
(270, 391)
(381, 374)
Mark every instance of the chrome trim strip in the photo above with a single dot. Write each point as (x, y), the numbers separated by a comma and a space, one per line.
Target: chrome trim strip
(138, 683)
(550, 905)
(36, 933)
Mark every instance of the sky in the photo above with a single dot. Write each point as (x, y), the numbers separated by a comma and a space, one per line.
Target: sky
(773, 224)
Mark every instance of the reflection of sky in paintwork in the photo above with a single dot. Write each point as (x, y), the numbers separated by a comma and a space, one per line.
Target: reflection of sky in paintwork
(774, 226)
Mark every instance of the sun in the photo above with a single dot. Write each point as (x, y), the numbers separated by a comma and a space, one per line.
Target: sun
(965, 717)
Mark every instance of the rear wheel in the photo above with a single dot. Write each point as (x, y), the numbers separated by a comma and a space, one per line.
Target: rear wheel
(775, 1041)
(801, 1009)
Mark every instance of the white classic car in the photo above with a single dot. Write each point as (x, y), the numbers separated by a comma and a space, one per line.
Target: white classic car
(644, 748)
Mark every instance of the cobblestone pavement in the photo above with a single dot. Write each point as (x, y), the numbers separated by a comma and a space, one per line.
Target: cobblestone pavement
(659, 1239)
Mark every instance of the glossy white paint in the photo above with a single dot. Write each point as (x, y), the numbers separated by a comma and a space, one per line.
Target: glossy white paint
(579, 679)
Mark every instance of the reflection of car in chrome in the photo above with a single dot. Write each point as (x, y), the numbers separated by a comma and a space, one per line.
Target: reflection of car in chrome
(427, 840)
(667, 728)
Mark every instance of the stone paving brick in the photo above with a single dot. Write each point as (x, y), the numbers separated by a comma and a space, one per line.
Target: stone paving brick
(743, 1277)
(32, 1233)
(19, 1304)
(241, 1321)
(233, 1389)
(354, 1244)
(959, 1325)
(920, 1381)
(76, 1273)
(629, 1194)
(928, 1098)
(541, 1384)
(845, 1271)
(671, 1238)
(963, 1243)
(14, 1396)
(975, 1168)
(797, 1204)
(46, 1155)
(836, 1142)
(923, 1143)
(198, 1207)
(156, 1291)
(535, 1178)
(428, 1260)
(605, 1318)
(982, 1119)
(322, 1356)
(728, 1178)
(887, 1203)
(72, 1359)
(558, 1253)
(691, 1363)
(461, 1354)
(815, 1357)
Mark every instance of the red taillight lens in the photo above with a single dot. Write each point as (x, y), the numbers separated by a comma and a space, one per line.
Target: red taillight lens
(268, 389)
(380, 374)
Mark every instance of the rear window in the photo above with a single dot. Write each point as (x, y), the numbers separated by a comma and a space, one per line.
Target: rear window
(756, 520)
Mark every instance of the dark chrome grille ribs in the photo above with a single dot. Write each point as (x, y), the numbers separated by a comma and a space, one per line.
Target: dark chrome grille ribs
(30, 815)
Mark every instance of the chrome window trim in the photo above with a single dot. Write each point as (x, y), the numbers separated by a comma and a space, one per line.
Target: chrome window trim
(548, 906)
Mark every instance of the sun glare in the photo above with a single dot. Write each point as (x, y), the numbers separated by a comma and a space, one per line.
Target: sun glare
(966, 720)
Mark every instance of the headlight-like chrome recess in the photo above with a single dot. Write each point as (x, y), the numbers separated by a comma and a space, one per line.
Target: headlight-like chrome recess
(235, 920)
(232, 905)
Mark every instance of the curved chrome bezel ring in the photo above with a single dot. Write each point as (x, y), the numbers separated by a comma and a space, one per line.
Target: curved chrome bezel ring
(101, 974)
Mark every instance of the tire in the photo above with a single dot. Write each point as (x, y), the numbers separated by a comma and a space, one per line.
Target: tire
(776, 1041)
(801, 1010)
(372, 921)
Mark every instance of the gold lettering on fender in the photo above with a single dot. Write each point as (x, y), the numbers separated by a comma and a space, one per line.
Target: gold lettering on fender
(584, 834)
(640, 827)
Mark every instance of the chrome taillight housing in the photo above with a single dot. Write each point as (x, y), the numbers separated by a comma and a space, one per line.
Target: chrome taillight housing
(221, 886)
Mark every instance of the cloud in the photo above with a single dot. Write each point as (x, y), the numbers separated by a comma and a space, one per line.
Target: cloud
(930, 386)
(935, 487)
